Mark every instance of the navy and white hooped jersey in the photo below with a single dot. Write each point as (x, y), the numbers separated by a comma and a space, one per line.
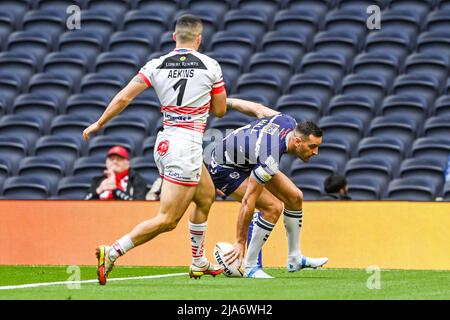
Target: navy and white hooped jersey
(256, 147)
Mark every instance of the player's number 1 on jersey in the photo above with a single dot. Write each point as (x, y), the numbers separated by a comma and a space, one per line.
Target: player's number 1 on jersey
(182, 84)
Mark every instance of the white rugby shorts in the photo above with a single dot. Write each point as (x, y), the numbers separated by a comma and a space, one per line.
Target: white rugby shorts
(179, 160)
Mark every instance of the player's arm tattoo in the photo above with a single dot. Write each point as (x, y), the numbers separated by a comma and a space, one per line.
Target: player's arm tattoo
(138, 79)
(229, 104)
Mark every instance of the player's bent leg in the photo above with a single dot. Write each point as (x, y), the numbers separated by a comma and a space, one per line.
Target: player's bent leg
(203, 200)
(292, 197)
(271, 209)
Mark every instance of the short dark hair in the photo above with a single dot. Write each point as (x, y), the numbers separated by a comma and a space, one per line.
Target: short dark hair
(306, 128)
(334, 183)
(186, 27)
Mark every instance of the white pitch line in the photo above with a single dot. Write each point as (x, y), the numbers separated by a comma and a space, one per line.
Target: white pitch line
(43, 284)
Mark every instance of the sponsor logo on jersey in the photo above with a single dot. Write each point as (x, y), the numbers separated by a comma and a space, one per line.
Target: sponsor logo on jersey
(163, 147)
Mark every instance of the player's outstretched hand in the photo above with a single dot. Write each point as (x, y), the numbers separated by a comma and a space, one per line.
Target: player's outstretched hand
(91, 129)
(236, 253)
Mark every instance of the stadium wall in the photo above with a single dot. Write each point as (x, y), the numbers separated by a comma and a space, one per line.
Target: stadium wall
(391, 235)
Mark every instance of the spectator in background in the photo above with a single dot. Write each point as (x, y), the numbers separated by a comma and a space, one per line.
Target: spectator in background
(119, 182)
(336, 188)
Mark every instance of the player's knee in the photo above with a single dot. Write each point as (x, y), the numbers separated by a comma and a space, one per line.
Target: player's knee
(274, 211)
(295, 202)
(168, 223)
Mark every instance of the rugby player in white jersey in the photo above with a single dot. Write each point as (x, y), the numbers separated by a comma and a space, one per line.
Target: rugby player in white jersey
(189, 85)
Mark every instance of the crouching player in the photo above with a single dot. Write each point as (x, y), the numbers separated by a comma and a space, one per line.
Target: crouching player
(244, 165)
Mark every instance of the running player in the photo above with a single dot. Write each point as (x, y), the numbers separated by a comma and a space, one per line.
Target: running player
(189, 85)
(244, 165)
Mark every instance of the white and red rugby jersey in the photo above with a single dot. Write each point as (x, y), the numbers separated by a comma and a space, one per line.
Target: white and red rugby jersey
(184, 81)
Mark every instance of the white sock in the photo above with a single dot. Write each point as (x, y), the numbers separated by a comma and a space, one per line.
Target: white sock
(120, 247)
(293, 224)
(261, 232)
(197, 234)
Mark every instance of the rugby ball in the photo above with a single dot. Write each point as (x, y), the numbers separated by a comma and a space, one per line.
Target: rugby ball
(230, 270)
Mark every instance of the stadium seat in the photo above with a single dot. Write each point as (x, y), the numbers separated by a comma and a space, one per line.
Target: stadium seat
(265, 84)
(50, 168)
(431, 147)
(146, 107)
(33, 42)
(27, 126)
(231, 64)
(41, 106)
(360, 4)
(233, 41)
(251, 21)
(336, 148)
(16, 7)
(311, 187)
(28, 187)
(438, 21)
(409, 105)
(424, 86)
(10, 86)
(347, 127)
(422, 7)
(252, 97)
(6, 169)
(48, 21)
(131, 126)
(320, 7)
(168, 6)
(442, 4)
(296, 20)
(21, 64)
(107, 85)
(99, 20)
(218, 7)
(435, 65)
(424, 167)
(388, 148)
(348, 20)
(301, 107)
(13, 148)
(57, 5)
(137, 42)
(73, 187)
(370, 85)
(377, 169)
(377, 63)
(411, 189)
(437, 126)
(342, 42)
(166, 43)
(146, 168)
(290, 42)
(90, 166)
(91, 105)
(447, 87)
(70, 124)
(74, 65)
(363, 188)
(442, 106)
(408, 21)
(399, 126)
(116, 7)
(266, 6)
(56, 85)
(154, 21)
(100, 145)
(394, 43)
(329, 64)
(7, 25)
(318, 167)
(123, 64)
(3, 106)
(276, 63)
(446, 191)
(89, 44)
(66, 148)
(433, 41)
(232, 120)
(318, 85)
(357, 105)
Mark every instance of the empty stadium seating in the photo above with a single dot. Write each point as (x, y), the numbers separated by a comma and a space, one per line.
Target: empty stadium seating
(382, 97)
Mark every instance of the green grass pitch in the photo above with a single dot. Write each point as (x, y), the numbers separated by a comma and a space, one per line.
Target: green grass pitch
(335, 284)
